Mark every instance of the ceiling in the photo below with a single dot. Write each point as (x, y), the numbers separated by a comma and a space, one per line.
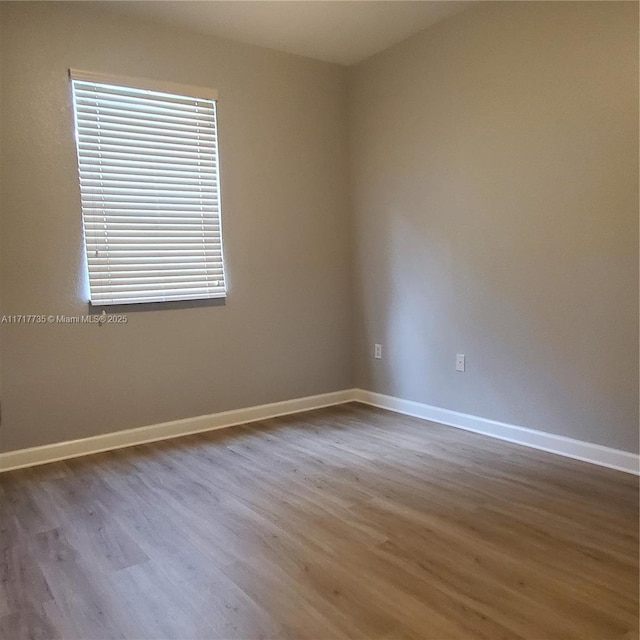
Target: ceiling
(341, 31)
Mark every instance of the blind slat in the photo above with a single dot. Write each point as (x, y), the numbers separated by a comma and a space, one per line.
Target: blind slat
(87, 95)
(157, 297)
(158, 209)
(149, 221)
(151, 227)
(104, 145)
(144, 128)
(148, 114)
(94, 161)
(151, 275)
(105, 173)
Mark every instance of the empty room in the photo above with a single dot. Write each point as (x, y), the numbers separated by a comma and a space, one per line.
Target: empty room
(319, 320)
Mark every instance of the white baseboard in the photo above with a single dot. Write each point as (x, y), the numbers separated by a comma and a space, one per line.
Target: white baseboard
(568, 447)
(119, 439)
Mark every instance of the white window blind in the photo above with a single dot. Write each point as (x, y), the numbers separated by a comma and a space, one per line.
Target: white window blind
(148, 166)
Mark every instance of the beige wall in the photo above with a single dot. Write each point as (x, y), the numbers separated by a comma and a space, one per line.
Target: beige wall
(0, 229)
(495, 191)
(494, 202)
(286, 328)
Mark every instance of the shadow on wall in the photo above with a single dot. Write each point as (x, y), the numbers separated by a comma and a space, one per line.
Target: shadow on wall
(495, 161)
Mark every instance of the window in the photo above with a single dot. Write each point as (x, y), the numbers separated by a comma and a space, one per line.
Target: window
(148, 167)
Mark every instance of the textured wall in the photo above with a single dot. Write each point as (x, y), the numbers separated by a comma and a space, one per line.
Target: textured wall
(285, 330)
(495, 190)
(495, 212)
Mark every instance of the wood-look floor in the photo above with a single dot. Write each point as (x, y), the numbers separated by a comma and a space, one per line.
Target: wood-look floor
(348, 522)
